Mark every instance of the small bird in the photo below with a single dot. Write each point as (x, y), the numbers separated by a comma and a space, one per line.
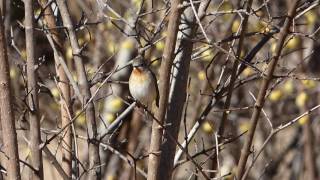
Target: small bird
(143, 83)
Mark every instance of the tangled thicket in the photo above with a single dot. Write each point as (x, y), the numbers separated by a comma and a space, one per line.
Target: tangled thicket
(238, 82)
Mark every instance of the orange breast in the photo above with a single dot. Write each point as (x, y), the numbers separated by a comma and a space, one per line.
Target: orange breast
(138, 76)
(136, 71)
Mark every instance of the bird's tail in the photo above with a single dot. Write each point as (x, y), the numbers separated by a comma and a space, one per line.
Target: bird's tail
(152, 108)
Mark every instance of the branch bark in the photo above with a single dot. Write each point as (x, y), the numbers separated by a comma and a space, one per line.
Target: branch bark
(245, 152)
(178, 88)
(234, 69)
(308, 135)
(33, 102)
(55, 163)
(165, 72)
(6, 111)
(65, 100)
(233, 78)
(94, 159)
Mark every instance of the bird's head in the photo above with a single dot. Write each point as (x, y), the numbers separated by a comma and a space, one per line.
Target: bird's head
(138, 63)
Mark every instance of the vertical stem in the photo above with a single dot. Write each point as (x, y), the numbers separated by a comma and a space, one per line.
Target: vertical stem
(245, 152)
(309, 155)
(65, 100)
(6, 111)
(33, 102)
(94, 159)
(178, 87)
(165, 71)
(308, 135)
(232, 80)
(234, 69)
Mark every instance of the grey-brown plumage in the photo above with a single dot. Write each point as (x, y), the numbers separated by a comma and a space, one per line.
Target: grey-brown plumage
(143, 83)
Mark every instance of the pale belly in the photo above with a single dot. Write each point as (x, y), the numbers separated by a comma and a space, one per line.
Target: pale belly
(143, 91)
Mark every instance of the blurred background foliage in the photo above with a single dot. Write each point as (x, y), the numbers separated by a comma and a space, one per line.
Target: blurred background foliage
(107, 41)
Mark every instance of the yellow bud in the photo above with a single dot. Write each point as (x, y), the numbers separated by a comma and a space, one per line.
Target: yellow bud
(54, 106)
(88, 37)
(143, 42)
(160, 46)
(288, 87)
(27, 151)
(293, 43)
(164, 34)
(235, 26)
(242, 54)
(303, 120)
(273, 47)
(111, 177)
(311, 17)
(261, 26)
(266, 30)
(202, 75)
(151, 27)
(275, 95)
(301, 99)
(81, 41)
(37, 12)
(109, 117)
(115, 104)
(127, 15)
(77, 112)
(111, 47)
(108, 25)
(69, 54)
(127, 44)
(75, 77)
(81, 120)
(247, 72)
(13, 73)
(23, 54)
(309, 84)
(137, 3)
(90, 71)
(244, 126)
(154, 63)
(207, 55)
(99, 84)
(260, 13)
(226, 6)
(55, 92)
(207, 127)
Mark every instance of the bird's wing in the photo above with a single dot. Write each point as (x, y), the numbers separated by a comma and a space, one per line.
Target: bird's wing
(157, 89)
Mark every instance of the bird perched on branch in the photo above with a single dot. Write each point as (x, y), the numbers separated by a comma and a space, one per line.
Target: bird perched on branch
(143, 83)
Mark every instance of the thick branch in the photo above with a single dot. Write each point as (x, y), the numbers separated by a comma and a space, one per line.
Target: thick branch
(178, 89)
(245, 152)
(165, 72)
(94, 159)
(33, 102)
(65, 100)
(6, 111)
